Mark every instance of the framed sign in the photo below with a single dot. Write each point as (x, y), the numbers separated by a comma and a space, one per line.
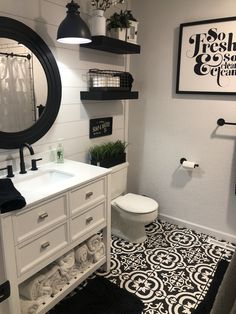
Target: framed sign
(207, 57)
(100, 127)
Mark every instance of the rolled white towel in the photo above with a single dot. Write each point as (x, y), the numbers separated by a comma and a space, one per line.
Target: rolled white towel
(30, 289)
(82, 258)
(57, 283)
(51, 273)
(93, 243)
(28, 307)
(66, 265)
(100, 252)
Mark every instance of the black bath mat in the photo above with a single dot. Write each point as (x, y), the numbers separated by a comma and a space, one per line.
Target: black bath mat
(206, 305)
(100, 296)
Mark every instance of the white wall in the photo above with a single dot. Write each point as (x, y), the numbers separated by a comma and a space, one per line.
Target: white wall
(72, 124)
(164, 126)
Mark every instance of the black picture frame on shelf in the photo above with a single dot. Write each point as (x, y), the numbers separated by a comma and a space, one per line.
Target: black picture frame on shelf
(207, 57)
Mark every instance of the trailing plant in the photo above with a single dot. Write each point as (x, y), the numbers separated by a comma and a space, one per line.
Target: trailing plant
(130, 16)
(105, 4)
(107, 151)
(119, 20)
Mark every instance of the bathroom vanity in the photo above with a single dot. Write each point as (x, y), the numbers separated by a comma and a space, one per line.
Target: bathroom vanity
(66, 204)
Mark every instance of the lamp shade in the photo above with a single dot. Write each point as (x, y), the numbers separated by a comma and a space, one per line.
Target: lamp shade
(73, 30)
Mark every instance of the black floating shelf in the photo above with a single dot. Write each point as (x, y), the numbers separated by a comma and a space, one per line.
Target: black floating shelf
(113, 45)
(106, 95)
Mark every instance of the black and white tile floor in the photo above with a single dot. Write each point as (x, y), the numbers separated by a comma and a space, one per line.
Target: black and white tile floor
(171, 271)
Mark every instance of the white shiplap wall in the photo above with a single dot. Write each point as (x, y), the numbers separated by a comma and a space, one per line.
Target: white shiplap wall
(72, 124)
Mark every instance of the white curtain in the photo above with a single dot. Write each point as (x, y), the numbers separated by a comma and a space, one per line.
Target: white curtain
(16, 94)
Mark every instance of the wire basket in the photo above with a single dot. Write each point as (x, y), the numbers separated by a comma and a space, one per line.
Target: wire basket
(109, 80)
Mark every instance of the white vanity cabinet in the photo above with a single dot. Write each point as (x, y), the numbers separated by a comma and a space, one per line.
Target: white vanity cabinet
(54, 222)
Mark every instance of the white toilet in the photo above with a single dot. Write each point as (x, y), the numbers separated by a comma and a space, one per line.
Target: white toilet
(130, 212)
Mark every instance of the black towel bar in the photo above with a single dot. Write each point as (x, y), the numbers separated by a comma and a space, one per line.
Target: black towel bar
(221, 122)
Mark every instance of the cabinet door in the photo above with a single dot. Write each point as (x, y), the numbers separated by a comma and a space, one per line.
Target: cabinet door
(41, 217)
(86, 196)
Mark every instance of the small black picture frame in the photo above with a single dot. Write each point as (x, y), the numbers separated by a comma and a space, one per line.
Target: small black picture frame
(207, 57)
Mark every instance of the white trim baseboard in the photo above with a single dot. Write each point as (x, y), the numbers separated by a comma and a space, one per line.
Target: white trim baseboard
(209, 231)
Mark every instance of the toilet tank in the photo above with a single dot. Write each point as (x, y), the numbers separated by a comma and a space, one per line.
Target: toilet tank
(119, 179)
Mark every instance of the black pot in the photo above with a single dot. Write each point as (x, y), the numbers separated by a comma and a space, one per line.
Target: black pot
(108, 163)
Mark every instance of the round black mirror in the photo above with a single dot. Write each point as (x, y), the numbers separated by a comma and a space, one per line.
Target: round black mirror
(45, 114)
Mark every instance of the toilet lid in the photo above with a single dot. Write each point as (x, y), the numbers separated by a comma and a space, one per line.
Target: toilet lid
(135, 203)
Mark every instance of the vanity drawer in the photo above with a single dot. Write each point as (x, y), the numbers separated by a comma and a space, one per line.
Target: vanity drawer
(87, 220)
(38, 249)
(36, 219)
(87, 195)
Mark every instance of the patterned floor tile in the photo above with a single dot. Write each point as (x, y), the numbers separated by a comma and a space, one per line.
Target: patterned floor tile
(155, 307)
(119, 246)
(167, 226)
(157, 241)
(169, 305)
(183, 302)
(176, 281)
(155, 227)
(166, 259)
(179, 238)
(133, 261)
(228, 253)
(202, 237)
(171, 271)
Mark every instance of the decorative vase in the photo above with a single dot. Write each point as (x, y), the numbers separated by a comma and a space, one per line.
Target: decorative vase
(118, 33)
(98, 23)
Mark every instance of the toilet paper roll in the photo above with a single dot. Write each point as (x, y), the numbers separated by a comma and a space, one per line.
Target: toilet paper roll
(189, 164)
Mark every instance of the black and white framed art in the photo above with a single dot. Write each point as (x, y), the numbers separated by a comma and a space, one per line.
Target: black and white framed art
(207, 57)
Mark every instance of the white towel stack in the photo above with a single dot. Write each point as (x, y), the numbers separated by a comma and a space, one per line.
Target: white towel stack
(67, 266)
(31, 289)
(52, 282)
(82, 258)
(54, 277)
(96, 248)
(28, 307)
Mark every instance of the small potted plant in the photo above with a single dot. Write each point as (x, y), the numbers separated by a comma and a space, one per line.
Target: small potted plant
(118, 23)
(109, 154)
(98, 21)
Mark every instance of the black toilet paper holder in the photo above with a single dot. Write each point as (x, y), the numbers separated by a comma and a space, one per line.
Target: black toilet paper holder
(184, 159)
(222, 122)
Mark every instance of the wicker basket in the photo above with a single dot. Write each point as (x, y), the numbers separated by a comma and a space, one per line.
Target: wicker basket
(109, 80)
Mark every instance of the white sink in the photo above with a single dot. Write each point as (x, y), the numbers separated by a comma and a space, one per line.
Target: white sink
(42, 180)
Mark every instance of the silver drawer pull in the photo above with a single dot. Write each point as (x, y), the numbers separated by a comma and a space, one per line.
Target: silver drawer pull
(88, 195)
(43, 215)
(88, 220)
(45, 245)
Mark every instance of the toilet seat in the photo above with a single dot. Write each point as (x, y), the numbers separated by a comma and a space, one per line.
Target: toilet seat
(137, 204)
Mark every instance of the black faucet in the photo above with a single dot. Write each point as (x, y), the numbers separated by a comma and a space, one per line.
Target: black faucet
(22, 162)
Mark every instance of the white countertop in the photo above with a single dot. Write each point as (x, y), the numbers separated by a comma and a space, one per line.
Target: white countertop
(78, 173)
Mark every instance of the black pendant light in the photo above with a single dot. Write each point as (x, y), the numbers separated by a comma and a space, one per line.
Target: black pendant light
(73, 30)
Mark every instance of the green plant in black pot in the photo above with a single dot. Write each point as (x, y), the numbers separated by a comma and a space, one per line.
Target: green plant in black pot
(109, 154)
